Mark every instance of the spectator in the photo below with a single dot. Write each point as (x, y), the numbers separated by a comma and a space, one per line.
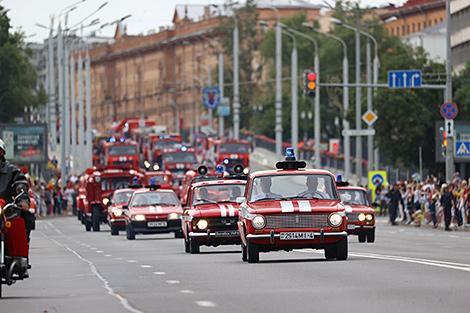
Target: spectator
(395, 200)
(447, 203)
(432, 210)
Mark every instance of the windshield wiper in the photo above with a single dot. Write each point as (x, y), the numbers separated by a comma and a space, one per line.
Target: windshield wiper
(267, 199)
(205, 201)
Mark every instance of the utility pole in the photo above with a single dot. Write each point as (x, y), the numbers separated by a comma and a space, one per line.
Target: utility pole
(448, 93)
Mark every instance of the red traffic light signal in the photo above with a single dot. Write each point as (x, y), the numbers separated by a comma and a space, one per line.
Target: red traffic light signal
(310, 83)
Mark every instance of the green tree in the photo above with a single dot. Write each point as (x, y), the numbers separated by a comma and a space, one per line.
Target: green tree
(461, 96)
(17, 75)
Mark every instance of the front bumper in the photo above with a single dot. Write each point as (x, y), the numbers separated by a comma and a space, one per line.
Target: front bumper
(141, 227)
(354, 229)
(217, 237)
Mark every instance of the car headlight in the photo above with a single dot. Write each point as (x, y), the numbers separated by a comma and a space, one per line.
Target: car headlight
(139, 217)
(361, 217)
(246, 170)
(1, 210)
(369, 217)
(258, 222)
(335, 219)
(117, 212)
(105, 201)
(97, 179)
(202, 224)
(174, 216)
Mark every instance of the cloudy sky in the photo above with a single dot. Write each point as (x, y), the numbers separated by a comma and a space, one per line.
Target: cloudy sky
(146, 14)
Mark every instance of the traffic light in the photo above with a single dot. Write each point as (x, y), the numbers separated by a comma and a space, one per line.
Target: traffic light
(310, 83)
(443, 141)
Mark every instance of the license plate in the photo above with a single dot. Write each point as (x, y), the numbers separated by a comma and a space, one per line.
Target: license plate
(351, 226)
(156, 224)
(228, 233)
(297, 235)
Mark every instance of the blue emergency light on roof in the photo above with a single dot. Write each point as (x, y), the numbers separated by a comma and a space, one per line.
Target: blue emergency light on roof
(127, 124)
(152, 181)
(220, 169)
(112, 139)
(161, 136)
(226, 161)
(121, 140)
(339, 177)
(290, 155)
(184, 148)
(340, 182)
(290, 163)
(135, 180)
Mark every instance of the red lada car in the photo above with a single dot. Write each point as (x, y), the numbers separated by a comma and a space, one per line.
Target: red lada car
(361, 216)
(292, 208)
(210, 217)
(153, 211)
(116, 217)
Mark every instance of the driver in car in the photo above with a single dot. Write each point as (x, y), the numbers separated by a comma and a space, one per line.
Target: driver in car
(312, 189)
(265, 184)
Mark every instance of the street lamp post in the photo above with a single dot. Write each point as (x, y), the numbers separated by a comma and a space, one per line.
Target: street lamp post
(236, 87)
(294, 112)
(346, 142)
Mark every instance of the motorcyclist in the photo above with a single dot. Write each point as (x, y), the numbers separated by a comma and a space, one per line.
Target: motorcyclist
(12, 182)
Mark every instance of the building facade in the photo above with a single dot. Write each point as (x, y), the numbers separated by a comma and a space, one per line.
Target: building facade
(460, 38)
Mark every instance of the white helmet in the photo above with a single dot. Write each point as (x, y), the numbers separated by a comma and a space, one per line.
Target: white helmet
(2, 146)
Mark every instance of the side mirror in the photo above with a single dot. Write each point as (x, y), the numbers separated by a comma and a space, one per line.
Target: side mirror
(240, 199)
(125, 207)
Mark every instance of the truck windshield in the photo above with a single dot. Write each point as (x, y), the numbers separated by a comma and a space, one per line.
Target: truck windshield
(122, 150)
(233, 148)
(112, 183)
(180, 157)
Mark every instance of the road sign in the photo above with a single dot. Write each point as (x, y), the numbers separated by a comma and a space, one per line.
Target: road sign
(358, 132)
(462, 149)
(404, 79)
(449, 128)
(224, 107)
(449, 110)
(381, 176)
(369, 117)
(211, 97)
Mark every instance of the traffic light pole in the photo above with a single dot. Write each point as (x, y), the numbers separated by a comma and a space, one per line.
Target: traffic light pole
(448, 95)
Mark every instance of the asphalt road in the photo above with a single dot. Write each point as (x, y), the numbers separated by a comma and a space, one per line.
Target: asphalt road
(407, 269)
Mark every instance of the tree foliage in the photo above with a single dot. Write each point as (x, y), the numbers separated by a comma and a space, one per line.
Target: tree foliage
(17, 75)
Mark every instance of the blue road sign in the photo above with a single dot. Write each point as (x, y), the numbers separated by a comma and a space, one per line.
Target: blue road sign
(404, 79)
(462, 149)
(449, 110)
(211, 97)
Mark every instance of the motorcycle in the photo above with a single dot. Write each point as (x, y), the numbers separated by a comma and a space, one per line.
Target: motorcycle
(13, 244)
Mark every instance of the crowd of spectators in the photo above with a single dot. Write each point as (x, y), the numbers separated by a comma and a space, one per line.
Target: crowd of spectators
(432, 201)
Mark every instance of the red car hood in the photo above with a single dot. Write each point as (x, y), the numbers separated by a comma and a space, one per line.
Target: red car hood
(295, 206)
(216, 210)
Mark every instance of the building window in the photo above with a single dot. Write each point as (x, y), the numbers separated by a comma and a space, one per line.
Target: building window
(408, 29)
(414, 30)
(419, 26)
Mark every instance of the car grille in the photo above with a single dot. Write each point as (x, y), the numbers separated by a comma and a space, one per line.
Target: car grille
(122, 163)
(224, 223)
(235, 161)
(297, 221)
(352, 217)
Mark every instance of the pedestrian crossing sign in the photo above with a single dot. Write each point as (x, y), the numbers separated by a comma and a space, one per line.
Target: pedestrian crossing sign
(462, 149)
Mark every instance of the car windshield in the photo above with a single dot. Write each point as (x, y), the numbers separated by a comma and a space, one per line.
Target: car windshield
(218, 193)
(179, 157)
(122, 150)
(233, 148)
(112, 183)
(162, 179)
(154, 198)
(168, 144)
(353, 197)
(293, 186)
(121, 197)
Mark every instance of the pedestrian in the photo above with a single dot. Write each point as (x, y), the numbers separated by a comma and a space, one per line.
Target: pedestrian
(48, 200)
(64, 200)
(432, 210)
(447, 203)
(56, 197)
(395, 199)
(74, 199)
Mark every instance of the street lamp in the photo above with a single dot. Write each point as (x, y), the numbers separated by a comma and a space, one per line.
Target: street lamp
(294, 82)
(346, 142)
(317, 95)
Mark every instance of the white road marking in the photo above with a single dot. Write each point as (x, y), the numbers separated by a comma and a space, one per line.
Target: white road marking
(146, 266)
(99, 251)
(186, 291)
(131, 261)
(206, 303)
(107, 255)
(159, 273)
(172, 282)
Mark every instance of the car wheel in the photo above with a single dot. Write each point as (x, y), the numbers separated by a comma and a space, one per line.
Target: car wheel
(96, 218)
(330, 252)
(244, 253)
(362, 237)
(114, 230)
(130, 232)
(179, 234)
(193, 246)
(342, 249)
(371, 236)
(252, 252)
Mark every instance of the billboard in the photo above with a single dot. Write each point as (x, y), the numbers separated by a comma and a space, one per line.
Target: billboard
(25, 143)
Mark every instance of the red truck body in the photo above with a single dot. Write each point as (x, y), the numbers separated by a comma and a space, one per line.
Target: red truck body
(121, 152)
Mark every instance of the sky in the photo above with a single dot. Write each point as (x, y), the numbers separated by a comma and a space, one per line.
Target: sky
(146, 14)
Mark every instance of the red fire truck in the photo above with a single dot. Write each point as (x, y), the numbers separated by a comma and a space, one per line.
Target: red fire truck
(179, 161)
(121, 152)
(229, 153)
(97, 185)
(161, 142)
